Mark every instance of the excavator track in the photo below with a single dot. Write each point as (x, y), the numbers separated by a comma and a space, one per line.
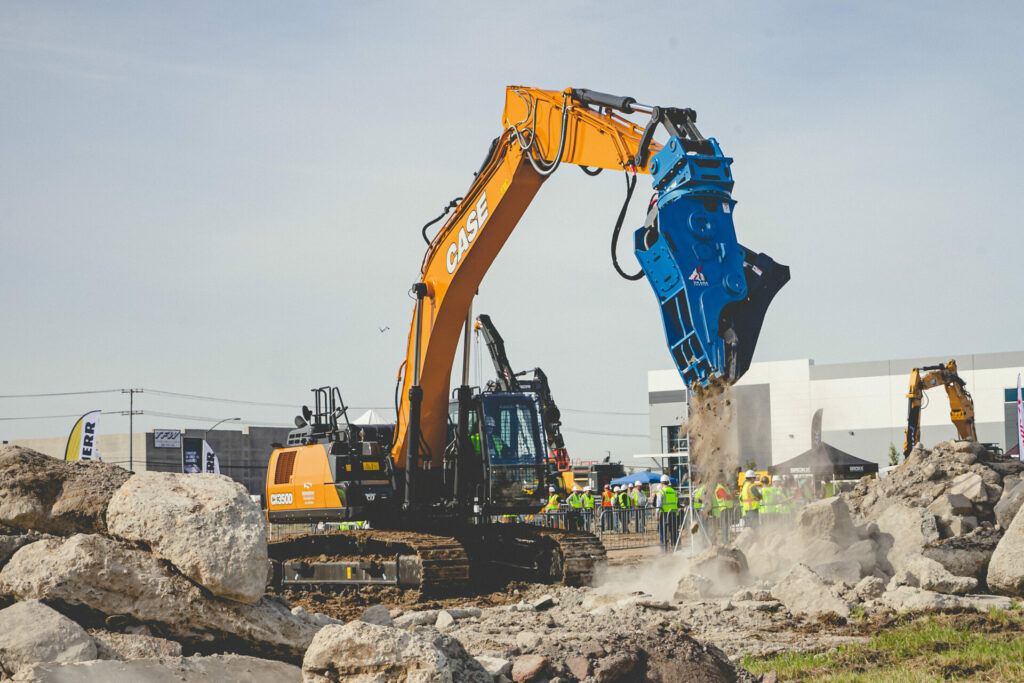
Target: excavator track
(544, 554)
(433, 564)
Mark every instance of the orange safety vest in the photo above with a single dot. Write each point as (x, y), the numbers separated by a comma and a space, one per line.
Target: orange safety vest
(607, 502)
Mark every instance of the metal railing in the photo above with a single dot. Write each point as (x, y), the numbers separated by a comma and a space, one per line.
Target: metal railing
(618, 529)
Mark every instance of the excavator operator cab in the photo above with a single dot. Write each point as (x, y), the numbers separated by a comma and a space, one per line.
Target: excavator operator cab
(514, 449)
(507, 439)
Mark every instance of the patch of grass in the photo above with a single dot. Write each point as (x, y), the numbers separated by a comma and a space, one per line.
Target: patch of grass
(927, 649)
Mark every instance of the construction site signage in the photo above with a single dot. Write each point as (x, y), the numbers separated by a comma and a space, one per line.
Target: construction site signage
(167, 438)
(82, 440)
(192, 455)
(1020, 422)
(197, 457)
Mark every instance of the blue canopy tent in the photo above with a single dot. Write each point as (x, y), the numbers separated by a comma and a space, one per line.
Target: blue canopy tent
(645, 477)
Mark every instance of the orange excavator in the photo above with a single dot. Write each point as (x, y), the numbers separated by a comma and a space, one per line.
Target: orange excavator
(961, 405)
(437, 485)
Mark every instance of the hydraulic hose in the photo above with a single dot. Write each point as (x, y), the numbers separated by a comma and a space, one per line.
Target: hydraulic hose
(630, 186)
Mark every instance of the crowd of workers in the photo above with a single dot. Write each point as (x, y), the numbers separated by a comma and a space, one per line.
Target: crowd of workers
(747, 501)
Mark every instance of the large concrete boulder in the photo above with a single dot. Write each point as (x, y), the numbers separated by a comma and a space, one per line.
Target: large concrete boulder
(971, 485)
(31, 632)
(726, 568)
(693, 587)
(910, 599)
(1009, 503)
(804, 593)
(126, 646)
(205, 525)
(9, 543)
(99, 575)
(966, 555)
(918, 571)
(904, 530)
(361, 652)
(166, 670)
(41, 493)
(1006, 568)
(827, 519)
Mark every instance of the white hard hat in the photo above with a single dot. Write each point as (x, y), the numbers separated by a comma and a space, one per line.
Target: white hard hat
(575, 488)
(587, 488)
(629, 485)
(751, 474)
(665, 479)
(551, 489)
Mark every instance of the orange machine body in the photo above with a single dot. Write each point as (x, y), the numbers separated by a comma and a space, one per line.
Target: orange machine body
(461, 252)
(301, 486)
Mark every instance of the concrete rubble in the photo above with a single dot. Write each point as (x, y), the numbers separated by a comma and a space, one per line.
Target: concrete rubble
(133, 582)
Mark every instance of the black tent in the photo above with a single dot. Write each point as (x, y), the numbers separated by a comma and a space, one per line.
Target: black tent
(824, 460)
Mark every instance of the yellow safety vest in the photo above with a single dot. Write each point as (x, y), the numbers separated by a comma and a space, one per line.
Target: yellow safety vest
(624, 499)
(768, 505)
(747, 498)
(552, 505)
(669, 499)
(698, 498)
(719, 504)
(575, 500)
(588, 501)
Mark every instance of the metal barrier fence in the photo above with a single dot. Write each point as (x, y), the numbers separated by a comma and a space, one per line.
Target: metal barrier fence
(618, 529)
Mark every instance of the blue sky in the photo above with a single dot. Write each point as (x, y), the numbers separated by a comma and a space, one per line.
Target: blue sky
(227, 200)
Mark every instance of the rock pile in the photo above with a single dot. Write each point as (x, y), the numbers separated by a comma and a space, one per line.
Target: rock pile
(160, 577)
(153, 564)
(926, 537)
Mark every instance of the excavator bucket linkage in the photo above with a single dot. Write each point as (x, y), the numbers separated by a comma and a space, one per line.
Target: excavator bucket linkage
(713, 292)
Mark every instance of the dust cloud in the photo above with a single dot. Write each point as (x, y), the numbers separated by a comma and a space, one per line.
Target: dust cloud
(714, 437)
(657, 577)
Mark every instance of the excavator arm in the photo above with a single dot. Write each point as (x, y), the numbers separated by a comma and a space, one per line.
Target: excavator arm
(961, 405)
(711, 320)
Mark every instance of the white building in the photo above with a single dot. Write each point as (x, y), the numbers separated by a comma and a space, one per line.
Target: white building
(864, 405)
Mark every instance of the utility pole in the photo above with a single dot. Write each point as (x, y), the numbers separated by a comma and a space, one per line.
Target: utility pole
(131, 426)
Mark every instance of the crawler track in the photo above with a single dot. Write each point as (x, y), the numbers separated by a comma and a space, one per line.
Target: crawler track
(434, 564)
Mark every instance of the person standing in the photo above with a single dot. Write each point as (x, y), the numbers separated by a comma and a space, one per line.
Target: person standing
(750, 498)
(666, 507)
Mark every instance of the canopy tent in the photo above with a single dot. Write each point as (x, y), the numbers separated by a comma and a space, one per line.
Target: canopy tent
(824, 460)
(371, 417)
(645, 477)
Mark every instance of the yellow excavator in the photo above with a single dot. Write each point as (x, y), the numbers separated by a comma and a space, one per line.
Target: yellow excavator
(437, 485)
(961, 405)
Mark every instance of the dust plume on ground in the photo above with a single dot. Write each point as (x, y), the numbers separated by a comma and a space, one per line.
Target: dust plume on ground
(714, 438)
(657, 576)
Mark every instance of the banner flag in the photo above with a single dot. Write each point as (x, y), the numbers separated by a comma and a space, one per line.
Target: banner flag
(211, 465)
(192, 455)
(816, 428)
(1020, 422)
(82, 440)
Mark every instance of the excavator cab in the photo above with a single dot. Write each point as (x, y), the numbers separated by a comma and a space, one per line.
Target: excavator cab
(507, 462)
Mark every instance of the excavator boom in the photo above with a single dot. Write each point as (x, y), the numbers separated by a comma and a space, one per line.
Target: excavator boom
(713, 292)
(961, 405)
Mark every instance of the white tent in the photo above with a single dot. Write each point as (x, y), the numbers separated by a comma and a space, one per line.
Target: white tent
(371, 417)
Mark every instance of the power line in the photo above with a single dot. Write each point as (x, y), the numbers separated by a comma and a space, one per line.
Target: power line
(601, 412)
(199, 397)
(62, 393)
(591, 431)
(41, 417)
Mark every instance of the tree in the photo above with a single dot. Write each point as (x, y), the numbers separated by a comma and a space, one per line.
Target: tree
(894, 456)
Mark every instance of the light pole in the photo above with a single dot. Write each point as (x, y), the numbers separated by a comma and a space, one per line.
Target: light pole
(226, 419)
